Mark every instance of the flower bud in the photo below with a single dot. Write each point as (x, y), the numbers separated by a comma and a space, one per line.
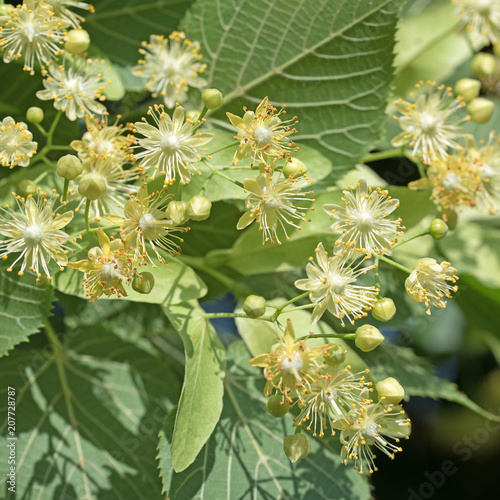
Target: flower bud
(496, 49)
(177, 212)
(483, 64)
(450, 217)
(384, 310)
(336, 355)
(438, 229)
(69, 167)
(294, 168)
(26, 187)
(277, 407)
(296, 447)
(92, 186)
(390, 391)
(212, 98)
(480, 110)
(78, 41)
(368, 337)
(198, 207)
(34, 114)
(143, 283)
(468, 88)
(254, 306)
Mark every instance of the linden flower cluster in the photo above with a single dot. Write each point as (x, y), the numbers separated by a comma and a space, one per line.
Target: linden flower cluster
(146, 220)
(469, 177)
(365, 230)
(272, 196)
(334, 398)
(34, 231)
(33, 32)
(430, 121)
(479, 18)
(172, 65)
(16, 145)
(170, 146)
(262, 133)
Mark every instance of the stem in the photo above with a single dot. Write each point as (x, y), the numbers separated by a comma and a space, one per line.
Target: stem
(87, 208)
(395, 264)
(41, 177)
(377, 279)
(52, 128)
(346, 336)
(234, 315)
(279, 310)
(383, 155)
(232, 145)
(65, 190)
(216, 172)
(41, 129)
(406, 240)
(59, 356)
(298, 308)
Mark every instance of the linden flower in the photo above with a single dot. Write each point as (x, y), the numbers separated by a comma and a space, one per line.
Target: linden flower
(146, 221)
(481, 18)
(331, 283)
(170, 146)
(76, 91)
(108, 266)
(171, 65)
(453, 181)
(290, 364)
(31, 31)
(271, 204)
(69, 17)
(263, 133)
(331, 397)
(16, 146)
(428, 123)
(363, 221)
(485, 159)
(103, 140)
(429, 282)
(373, 425)
(35, 232)
(118, 184)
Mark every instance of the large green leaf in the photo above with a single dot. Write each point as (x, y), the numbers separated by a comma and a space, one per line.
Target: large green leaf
(200, 404)
(87, 419)
(416, 376)
(23, 309)
(244, 457)
(119, 26)
(174, 282)
(329, 62)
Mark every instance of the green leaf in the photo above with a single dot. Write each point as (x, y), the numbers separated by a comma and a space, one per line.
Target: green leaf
(119, 26)
(218, 231)
(174, 282)
(244, 458)
(95, 434)
(23, 308)
(329, 62)
(428, 47)
(218, 188)
(200, 404)
(416, 376)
